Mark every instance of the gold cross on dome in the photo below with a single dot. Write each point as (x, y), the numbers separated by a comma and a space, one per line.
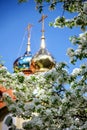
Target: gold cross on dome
(42, 20)
(28, 29)
(29, 26)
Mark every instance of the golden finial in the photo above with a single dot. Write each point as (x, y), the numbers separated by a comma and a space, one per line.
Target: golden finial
(29, 35)
(42, 20)
(43, 38)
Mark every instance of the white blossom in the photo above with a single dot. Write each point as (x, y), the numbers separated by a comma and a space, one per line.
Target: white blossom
(76, 71)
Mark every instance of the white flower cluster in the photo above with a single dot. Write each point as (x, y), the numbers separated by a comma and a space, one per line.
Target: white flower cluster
(81, 51)
(76, 71)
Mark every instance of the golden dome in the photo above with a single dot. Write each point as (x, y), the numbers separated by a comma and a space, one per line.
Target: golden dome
(42, 61)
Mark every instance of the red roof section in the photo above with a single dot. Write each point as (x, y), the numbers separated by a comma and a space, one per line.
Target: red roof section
(8, 91)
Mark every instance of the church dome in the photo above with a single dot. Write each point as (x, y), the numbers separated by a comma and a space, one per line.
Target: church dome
(22, 64)
(42, 61)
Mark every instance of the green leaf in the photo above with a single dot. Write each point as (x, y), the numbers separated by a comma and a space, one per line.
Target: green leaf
(21, 1)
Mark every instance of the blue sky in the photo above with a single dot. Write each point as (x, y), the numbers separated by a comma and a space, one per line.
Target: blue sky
(14, 19)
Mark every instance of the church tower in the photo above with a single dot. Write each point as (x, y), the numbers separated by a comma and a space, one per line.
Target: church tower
(22, 64)
(42, 61)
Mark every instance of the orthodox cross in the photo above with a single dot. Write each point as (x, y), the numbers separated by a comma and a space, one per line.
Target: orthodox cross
(42, 20)
(28, 28)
